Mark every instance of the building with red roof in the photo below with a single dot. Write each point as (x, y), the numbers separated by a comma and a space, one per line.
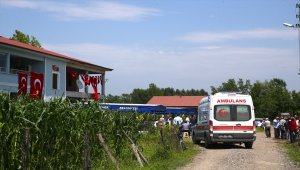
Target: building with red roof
(62, 74)
(176, 101)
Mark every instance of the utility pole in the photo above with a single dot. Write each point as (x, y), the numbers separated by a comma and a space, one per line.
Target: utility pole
(298, 27)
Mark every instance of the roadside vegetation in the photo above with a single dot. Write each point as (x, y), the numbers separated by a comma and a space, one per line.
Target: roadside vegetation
(56, 134)
(165, 156)
(260, 129)
(293, 151)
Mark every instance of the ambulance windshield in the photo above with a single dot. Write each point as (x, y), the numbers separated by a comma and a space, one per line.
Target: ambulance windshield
(232, 112)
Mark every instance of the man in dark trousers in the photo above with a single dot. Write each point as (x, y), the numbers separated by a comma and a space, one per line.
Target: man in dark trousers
(267, 126)
(276, 129)
(293, 129)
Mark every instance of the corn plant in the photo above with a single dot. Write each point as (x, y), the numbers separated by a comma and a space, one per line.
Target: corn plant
(56, 133)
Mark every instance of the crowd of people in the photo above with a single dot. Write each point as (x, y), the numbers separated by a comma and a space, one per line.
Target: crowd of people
(184, 122)
(284, 128)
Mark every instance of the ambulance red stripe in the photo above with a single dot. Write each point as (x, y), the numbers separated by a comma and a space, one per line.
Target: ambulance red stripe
(230, 128)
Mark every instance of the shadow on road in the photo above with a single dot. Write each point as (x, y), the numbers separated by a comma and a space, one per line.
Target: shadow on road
(224, 146)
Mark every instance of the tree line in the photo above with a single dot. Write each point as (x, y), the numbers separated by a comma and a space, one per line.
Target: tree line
(270, 97)
(142, 96)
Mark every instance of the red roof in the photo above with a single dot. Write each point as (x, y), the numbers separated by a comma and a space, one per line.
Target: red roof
(176, 101)
(14, 43)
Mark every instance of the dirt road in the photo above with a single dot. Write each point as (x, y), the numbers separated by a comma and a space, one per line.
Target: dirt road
(266, 154)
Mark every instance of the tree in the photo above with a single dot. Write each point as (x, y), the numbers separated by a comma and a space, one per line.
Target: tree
(230, 85)
(244, 88)
(140, 96)
(21, 37)
(153, 90)
(271, 98)
(295, 106)
(124, 98)
(144, 95)
(168, 91)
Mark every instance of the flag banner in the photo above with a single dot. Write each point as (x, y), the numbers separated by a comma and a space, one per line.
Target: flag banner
(72, 74)
(22, 83)
(85, 78)
(36, 85)
(94, 80)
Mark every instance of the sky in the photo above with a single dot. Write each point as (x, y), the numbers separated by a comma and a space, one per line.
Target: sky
(182, 44)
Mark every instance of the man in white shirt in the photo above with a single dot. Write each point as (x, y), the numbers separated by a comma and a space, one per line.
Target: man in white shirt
(267, 125)
(276, 130)
(281, 128)
(177, 120)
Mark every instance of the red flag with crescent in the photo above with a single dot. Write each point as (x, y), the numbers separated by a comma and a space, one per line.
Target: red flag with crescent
(94, 80)
(36, 85)
(22, 83)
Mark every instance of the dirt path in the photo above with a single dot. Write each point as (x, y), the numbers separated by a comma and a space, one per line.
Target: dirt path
(266, 154)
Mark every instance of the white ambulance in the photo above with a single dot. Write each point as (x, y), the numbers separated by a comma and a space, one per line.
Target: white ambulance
(226, 117)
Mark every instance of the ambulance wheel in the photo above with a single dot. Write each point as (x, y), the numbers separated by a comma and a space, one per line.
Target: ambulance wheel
(207, 143)
(248, 145)
(194, 139)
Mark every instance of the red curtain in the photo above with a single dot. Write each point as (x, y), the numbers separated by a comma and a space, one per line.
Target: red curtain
(22, 83)
(36, 85)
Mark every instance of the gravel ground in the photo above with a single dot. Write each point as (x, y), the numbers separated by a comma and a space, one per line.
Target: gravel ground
(267, 153)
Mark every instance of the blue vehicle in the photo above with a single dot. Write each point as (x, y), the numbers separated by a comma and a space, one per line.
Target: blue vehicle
(147, 108)
(140, 108)
(181, 110)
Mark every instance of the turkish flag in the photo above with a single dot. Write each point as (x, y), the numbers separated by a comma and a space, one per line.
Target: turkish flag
(36, 85)
(86, 79)
(22, 81)
(94, 80)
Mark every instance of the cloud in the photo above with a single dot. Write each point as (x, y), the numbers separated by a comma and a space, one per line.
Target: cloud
(205, 37)
(194, 67)
(19, 4)
(92, 10)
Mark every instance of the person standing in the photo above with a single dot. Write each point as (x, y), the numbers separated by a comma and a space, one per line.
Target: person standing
(276, 130)
(293, 130)
(177, 120)
(298, 125)
(186, 127)
(161, 121)
(193, 120)
(267, 125)
(286, 127)
(187, 119)
(281, 128)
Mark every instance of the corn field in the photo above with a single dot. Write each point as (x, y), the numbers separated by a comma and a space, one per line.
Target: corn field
(56, 133)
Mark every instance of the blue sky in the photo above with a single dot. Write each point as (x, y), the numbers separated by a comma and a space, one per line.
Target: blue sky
(172, 43)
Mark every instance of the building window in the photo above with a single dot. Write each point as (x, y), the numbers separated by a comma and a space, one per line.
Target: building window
(20, 64)
(3, 62)
(55, 81)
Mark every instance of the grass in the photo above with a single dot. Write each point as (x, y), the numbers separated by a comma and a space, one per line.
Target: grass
(259, 129)
(293, 151)
(177, 159)
(160, 160)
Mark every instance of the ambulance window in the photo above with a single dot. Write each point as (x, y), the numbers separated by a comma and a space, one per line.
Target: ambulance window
(203, 112)
(243, 113)
(222, 113)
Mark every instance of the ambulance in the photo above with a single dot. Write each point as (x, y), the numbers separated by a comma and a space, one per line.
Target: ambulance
(226, 117)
